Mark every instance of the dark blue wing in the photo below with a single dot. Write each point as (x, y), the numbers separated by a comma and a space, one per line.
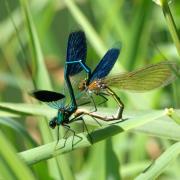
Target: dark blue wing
(53, 99)
(47, 96)
(106, 64)
(76, 50)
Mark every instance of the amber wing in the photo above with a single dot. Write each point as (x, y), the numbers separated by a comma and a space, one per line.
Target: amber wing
(145, 79)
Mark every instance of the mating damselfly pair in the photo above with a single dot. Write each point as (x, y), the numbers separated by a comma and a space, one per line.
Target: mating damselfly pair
(99, 83)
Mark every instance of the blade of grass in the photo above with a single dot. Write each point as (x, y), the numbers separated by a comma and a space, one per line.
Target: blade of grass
(171, 23)
(138, 154)
(163, 128)
(158, 166)
(27, 109)
(16, 29)
(112, 169)
(9, 114)
(5, 172)
(7, 33)
(174, 33)
(129, 170)
(136, 33)
(18, 168)
(101, 155)
(9, 79)
(158, 128)
(113, 20)
(50, 150)
(39, 72)
(93, 37)
(13, 63)
(94, 162)
(18, 128)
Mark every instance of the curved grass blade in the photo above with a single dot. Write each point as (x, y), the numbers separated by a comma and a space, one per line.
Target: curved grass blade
(76, 50)
(47, 151)
(23, 109)
(12, 161)
(170, 23)
(157, 167)
(161, 128)
(145, 79)
(106, 64)
(16, 126)
(83, 21)
(39, 72)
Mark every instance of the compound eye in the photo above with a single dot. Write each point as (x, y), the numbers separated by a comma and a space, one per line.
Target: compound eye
(85, 83)
(53, 123)
(82, 85)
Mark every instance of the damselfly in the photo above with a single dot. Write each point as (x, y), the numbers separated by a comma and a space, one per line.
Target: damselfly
(99, 83)
(141, 80)
(76, 50)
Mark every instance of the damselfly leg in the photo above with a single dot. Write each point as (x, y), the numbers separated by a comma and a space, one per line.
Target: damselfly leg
(119, 102)
(68, 128)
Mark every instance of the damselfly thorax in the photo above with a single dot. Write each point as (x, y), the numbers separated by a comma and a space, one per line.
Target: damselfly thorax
(94, 87)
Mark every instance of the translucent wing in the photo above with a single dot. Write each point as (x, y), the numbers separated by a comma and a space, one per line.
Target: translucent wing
(53, 99)
(106, 64)
(76, 50)
(147, 78)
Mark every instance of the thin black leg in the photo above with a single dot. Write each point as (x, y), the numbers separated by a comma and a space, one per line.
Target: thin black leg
(96, 121)
(105, 99)
(84, 126)
(90, 138)
(74, 134)
(64, 137)
(92, 99)
(57, 135)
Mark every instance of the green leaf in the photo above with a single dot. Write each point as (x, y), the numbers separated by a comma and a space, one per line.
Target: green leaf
(171, 24)
(92, 36)
(11, 161)
(50, 150)
(163, 128)
(40, 74)
(22, 109)
(158, 127)
(159, 165)
(158, 2)
(136, 38)
(133, 168)
(18, 128)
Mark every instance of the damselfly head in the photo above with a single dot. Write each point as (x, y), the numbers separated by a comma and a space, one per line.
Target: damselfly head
(57, 121)
(53, 123)
(82, 85)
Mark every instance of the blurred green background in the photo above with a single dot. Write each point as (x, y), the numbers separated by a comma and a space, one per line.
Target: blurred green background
(139, 26)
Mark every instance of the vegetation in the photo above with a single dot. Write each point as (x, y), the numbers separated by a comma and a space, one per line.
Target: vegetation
(32, 54)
